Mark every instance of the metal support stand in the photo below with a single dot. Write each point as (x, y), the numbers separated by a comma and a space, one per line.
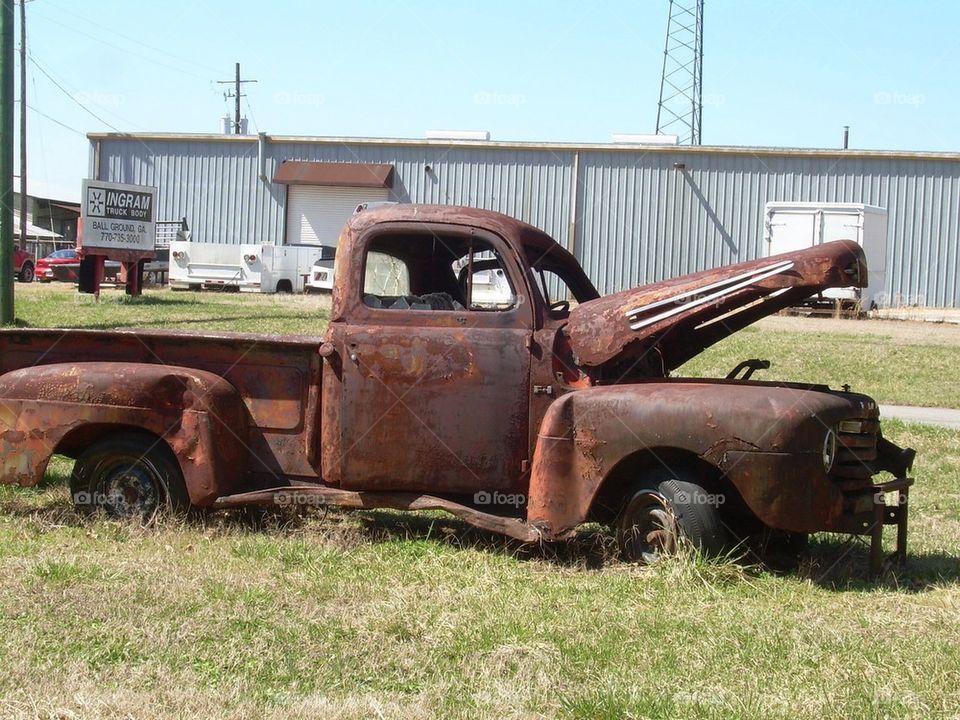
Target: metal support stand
(884, 514)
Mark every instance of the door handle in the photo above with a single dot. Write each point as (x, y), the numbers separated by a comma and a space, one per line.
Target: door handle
(353, 353)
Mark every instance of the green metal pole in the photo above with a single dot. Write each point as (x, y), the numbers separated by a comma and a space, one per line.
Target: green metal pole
(6, 162)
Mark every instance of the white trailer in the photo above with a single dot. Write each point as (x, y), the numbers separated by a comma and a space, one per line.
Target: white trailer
(792, 226)
(249, 268)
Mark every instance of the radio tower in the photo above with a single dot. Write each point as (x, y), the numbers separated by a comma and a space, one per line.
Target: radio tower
(680, 110)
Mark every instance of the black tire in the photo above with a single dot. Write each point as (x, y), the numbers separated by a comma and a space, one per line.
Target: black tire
(26, 273)
(662, 508)
(129, 475)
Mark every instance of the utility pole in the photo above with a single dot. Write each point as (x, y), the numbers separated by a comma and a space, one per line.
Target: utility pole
(236, 95)
(23, 124)
(7, 54)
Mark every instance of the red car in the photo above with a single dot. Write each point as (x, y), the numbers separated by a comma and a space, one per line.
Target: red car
(65, 265)
(23, 265)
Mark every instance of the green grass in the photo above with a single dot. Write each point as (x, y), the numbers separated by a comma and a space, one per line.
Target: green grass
(891, 372)
(383, 614)
(59, 305)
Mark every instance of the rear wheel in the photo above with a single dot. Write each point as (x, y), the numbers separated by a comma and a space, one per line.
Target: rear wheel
(26, 273)
(130, 475)
(663, 508)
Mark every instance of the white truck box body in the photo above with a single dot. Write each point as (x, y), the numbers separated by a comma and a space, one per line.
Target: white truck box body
(251, 268)
(797, 225)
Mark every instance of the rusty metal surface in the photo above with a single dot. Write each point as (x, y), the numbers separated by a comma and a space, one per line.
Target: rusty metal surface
(766, 438)
(324, 496)
(276, 378)
(439, 409)
(514, 233)
(370, 175)
(679, 318)
(65, 407)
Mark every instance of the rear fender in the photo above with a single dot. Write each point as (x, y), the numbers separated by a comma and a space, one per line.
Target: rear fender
(63, 408)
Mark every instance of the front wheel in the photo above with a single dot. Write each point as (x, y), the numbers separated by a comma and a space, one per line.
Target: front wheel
(128, 476)
(26, 273)
(661, 510)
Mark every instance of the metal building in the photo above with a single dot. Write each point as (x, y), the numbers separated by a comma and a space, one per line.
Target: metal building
(630, 213)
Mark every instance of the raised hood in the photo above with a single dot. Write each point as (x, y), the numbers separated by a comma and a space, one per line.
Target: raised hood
(679, 318)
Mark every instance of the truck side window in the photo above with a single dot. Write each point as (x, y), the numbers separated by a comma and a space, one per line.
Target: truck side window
(435, 272)
(385, 275)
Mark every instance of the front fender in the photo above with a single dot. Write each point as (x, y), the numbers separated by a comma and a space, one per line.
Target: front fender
(62, 408)
(585, 434)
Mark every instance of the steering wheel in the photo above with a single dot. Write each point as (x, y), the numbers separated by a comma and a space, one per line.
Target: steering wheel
(561, 306)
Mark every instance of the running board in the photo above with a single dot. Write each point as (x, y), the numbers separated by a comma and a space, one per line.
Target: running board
(320, 496)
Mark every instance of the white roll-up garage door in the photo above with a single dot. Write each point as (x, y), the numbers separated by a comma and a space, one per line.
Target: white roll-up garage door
(316, 214)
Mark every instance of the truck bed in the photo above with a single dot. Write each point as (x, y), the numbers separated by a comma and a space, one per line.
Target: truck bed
(277, 376)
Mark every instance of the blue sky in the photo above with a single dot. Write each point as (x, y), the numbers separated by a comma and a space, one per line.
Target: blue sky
(775, 73)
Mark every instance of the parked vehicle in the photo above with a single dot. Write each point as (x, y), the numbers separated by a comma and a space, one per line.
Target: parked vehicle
(64, 265)
(321, 274)
(797, 225)
(524, 416)
(23, 265)
(247, 268)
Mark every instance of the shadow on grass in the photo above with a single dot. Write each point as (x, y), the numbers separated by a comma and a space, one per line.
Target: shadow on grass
(835, 563)
(841, 563)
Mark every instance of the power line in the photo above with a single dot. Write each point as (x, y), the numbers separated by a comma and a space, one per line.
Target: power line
(70, 95)
(54, 120)
(93, 37)
(252, 116)
(113, 33)
(43, 153)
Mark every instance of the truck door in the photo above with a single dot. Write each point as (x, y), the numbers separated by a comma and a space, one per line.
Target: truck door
(436, 365)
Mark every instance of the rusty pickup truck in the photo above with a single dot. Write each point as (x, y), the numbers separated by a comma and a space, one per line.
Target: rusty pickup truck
(470, 366)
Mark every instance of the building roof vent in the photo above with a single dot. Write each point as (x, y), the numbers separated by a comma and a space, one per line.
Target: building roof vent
(458, 134)
(644, 139)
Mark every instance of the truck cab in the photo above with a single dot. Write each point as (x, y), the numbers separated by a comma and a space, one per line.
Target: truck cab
(553, 394)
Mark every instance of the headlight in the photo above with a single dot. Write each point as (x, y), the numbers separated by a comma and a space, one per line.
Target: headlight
(829, 450)
(854, 427)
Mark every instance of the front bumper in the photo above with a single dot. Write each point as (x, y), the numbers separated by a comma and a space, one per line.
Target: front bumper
(791, 492)
(869, 512)
(866, 506)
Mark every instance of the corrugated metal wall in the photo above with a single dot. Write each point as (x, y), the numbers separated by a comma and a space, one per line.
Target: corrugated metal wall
(638, 219)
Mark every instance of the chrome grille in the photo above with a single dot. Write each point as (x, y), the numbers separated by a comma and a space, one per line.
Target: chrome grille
(856, 451)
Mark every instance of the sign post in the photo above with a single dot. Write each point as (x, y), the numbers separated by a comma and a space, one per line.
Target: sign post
(118, 222)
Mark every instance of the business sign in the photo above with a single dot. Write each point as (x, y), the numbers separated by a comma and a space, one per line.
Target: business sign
(118, 217)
